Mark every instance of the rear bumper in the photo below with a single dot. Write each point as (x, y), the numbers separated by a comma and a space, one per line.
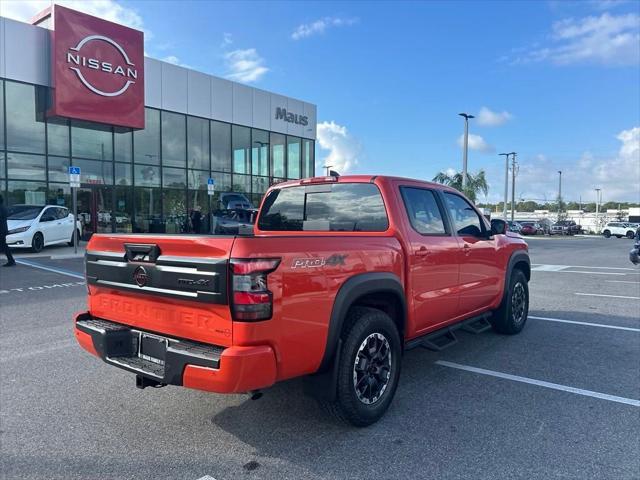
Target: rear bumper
(190, 364)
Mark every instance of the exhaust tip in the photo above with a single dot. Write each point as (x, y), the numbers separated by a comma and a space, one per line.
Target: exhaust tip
(255, 394)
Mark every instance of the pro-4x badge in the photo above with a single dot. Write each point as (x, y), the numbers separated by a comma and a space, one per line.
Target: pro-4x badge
(333, 260)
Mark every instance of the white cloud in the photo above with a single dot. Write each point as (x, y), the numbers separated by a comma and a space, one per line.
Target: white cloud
(476, 142)
(175, 60)
(618, 175)
(607, 39)
(245, 65)
(344, 151)
(24, 10)
(489, 118)
(227, 40)
(320, 26)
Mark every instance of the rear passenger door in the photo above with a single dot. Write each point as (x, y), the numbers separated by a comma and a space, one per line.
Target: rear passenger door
(433, 258)
(480, 272)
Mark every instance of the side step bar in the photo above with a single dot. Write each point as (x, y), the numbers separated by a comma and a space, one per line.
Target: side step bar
(445, 337)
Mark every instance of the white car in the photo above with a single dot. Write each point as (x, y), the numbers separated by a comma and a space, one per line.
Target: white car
(620, 229)
(36, 226)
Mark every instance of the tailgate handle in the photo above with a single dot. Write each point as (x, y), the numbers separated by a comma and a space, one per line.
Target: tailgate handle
(142, 252)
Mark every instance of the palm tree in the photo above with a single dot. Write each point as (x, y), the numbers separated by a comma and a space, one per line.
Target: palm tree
(475, 183)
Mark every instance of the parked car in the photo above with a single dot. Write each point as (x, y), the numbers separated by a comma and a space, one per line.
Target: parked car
(565, 227)
(634, 254)
(233, 200)
(37, 226)
(531, 228)
(341, 277)
(514, 226)
(619, 229)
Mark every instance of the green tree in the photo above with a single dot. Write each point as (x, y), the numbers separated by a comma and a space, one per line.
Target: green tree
(475, 183)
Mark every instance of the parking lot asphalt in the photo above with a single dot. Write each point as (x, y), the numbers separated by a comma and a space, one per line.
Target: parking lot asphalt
(560, 400)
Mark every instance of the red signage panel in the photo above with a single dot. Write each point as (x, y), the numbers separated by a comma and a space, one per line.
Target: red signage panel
(98, 70)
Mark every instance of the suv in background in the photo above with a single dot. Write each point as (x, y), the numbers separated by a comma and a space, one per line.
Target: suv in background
(565, 227)
(619, 229)
(514, 226)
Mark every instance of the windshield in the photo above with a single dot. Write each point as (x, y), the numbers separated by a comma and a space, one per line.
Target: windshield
(23, 212)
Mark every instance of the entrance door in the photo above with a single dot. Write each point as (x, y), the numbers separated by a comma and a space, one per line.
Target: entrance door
(95, 210)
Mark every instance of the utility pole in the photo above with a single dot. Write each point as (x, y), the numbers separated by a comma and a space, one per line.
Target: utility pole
(513, 185)
(465, 148)
(327, 167)
(598, 210)
(506, 184)
(559, 191)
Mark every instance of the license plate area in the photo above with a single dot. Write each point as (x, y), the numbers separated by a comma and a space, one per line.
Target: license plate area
(153, 348)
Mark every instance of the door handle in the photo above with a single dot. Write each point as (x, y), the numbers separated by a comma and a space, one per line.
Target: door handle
(422, 252)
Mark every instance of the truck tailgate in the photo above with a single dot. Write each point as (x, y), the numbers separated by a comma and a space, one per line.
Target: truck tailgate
(173, 285)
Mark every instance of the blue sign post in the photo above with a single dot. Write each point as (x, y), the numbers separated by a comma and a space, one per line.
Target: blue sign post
(74, 183)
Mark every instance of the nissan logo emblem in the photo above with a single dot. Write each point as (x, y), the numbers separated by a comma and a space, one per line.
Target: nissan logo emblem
(140, 276)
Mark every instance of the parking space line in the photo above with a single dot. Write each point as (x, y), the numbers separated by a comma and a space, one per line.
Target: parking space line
(583, 266)
(50, 269)
(588, 324)
(541, 383)
(622, 281)
(591, 273)
(607, 296)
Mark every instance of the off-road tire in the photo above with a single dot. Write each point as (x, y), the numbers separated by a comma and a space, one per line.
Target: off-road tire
(37, 243)
(361, 323)
(511, 317)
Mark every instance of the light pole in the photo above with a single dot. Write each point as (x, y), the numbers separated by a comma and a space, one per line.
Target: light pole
(559, 192)
(506, 183)
(598, 190)
(465, 148)
(513, 185)
(327, 167)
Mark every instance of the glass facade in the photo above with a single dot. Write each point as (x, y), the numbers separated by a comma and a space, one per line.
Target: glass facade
(151, 180)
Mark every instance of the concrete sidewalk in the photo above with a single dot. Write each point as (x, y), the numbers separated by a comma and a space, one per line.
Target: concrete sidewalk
(55, 252)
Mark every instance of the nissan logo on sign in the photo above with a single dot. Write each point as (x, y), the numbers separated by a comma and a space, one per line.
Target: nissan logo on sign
(140, 276)
(98, 70)
(78, 62)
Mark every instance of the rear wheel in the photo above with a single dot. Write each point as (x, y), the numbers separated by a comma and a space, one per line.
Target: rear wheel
(70, 242)
(37, 242)
(511, 316)
(630, 234)
(606, 234)
(368, 369)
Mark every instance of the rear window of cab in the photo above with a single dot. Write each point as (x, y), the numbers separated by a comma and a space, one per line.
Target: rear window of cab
(337, 207)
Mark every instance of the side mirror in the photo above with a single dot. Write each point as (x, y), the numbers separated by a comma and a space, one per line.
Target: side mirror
(498, 227)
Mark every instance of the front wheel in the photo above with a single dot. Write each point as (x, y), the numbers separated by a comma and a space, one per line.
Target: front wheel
(37, 243)
(368, 369)
(606, 234)
(70, 242)
(511, 316)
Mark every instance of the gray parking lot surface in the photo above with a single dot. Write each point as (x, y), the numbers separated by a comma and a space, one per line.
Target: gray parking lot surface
(484, 408)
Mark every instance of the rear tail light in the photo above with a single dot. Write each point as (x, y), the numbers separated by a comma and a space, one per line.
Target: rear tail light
(251, 299)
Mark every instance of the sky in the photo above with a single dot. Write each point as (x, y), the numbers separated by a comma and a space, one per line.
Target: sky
(558, 82)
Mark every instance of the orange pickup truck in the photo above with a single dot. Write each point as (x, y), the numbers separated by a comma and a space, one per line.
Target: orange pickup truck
(339, 278)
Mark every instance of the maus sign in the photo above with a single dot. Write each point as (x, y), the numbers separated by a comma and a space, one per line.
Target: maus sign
(98, 70)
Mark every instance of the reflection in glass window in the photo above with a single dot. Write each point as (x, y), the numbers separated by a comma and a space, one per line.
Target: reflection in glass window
(122, 141)
(174, 177)
(308, 161)
(147, 208)
(123, 209)
(59, 194)
(197, 143)
(146, 142)
(24, 120)
(26, 167)
(198, 221)
(58, 136)
(423, 211)
(197, 179)
(345, 207)
(146, 176)
(58, 169)
(223, 181)
(241, 184)
(465, 218)
(241, 141)
(123, 174)
(293, 157)
(259, 152)
(173, 140)
(91, 140)
(32, 193)
(220, 147)
(94, 172)
(260, 184)
(277, 154)
(2, 169)
(174, 206)
(1, 121)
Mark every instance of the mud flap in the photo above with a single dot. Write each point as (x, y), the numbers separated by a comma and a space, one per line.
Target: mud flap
(324, 385)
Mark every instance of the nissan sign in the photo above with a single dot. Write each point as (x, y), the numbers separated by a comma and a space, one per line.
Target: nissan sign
(98, 70)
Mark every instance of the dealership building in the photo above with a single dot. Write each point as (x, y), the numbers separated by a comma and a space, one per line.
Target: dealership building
(147, 135)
